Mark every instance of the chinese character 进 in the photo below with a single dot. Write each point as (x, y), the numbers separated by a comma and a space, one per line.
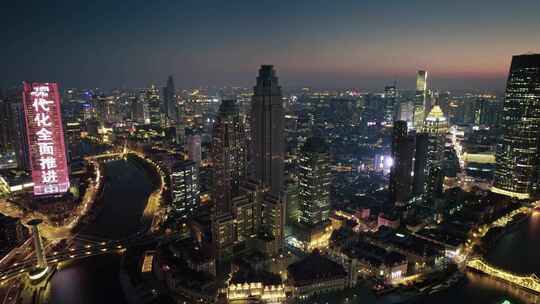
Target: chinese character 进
(46, 148)
(42, 120)
(44, 135)
(47, 163)
(41, 103)
(49, 176)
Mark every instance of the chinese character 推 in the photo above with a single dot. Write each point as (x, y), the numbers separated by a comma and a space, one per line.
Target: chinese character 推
(47, 163)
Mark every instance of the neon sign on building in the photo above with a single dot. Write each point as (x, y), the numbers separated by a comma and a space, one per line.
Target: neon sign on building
(45, 138)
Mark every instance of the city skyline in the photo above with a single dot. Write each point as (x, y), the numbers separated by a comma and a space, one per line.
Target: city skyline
(270, 152)
(347, 44)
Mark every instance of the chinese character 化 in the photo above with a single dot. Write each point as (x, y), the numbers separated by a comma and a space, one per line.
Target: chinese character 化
(42, 120)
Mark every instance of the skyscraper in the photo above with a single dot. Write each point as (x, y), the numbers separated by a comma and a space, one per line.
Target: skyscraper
(420, 99)
(314, 182)
(267, 131)
(169, 101)
(391, 106)
(517, 155)
(430, 154)
(229, 157)
(184, 189)
(194, 148)
(402, 155)
(151, 97)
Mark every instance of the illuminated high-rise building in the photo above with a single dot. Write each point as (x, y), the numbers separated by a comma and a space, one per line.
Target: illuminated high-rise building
(314, 182)
(429, 157)
(517, 155)
(402, 156)
(184, 189)
(391, 106)
(45, 135)
(267, 131)
(420, 99)
(151, 97)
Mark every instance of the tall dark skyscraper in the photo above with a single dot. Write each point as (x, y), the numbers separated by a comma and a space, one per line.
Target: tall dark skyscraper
(516, 174)
(19, 135)
(228, 152)
(314, 182)
(402, 156)
(169, 101)
(229, 157)
(267, 131)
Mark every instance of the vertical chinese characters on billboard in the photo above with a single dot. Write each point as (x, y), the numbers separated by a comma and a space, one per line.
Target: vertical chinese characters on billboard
(45, 138)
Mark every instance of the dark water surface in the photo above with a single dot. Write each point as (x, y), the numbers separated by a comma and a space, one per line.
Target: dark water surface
(95, 279)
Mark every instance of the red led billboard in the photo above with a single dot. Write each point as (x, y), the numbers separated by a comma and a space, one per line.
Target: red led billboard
(45, 138)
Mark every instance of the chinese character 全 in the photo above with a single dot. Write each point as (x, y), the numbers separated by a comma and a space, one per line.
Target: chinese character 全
(44, 135)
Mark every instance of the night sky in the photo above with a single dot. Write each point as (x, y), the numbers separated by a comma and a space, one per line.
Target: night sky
(332, 44)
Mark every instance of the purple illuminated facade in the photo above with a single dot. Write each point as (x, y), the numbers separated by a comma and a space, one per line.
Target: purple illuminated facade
(45, 138)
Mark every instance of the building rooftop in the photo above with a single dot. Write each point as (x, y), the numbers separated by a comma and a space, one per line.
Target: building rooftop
(313, 268)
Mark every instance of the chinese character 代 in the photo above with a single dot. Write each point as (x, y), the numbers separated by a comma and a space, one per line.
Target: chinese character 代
(41, 103)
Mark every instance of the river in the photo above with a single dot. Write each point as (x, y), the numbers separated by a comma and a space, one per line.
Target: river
(96, 279)
(517, 251)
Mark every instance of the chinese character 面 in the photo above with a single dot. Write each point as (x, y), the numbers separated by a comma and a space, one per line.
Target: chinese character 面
(46, 148)
(42, 120)
(44, 135)
(49, 177)
(41, 103)
(47, 163)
